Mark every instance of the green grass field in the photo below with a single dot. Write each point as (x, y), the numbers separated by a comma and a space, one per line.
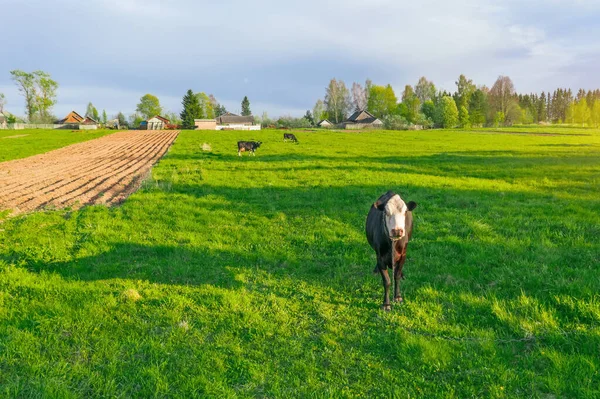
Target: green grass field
(251, 277)
(15, 144)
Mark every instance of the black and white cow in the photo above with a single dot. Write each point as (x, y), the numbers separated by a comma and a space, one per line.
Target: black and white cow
(389, 228)
(290, 136)
(248, 146)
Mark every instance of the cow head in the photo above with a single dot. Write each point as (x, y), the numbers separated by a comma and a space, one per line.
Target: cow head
(395, 211)
(257, 144)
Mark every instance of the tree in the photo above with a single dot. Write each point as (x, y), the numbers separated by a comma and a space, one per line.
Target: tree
(478, 108)
(104, 117)
(428, 109)
(206, 106)
(513, 114)
(411, 102)
(149, 106)
(582, 112)
(45, 95)
(218, 109)
(2, 102)
(91, 112)
(595, 113)
(191, 110)
(319, 112)
(447, 114)
(424, 90)
(309, 117)
(26, 84)
(501, 95)
(337, 100)
(465, 89)
(498, 118)
(359, 97)
(173, 118)
(463, 117)
(121, 119)
(382, 101)
(246, 107)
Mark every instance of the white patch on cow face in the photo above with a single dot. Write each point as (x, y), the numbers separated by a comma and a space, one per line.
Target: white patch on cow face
(395, 217)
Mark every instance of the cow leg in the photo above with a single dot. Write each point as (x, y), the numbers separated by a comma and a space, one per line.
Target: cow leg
(385, 277)
(253, 154)
(239, 153)
(398, 276)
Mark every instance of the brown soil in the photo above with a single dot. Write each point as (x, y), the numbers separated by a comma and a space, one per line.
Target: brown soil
(101, 171)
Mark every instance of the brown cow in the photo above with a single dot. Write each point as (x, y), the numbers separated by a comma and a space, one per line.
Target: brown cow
(389, 228)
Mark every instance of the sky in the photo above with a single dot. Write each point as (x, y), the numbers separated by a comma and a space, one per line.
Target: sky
(283, 54)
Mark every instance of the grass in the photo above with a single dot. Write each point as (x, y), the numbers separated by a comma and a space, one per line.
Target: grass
(251, 277)
(15, 144)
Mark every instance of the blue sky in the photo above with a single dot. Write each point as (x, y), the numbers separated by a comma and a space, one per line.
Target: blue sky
(283, 54)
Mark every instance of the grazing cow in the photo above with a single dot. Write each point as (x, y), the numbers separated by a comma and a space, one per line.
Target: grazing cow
(248, 146)
(389, 228)
(289, 136)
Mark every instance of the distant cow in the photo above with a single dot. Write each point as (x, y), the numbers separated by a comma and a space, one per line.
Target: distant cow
(248, 146)
(389, 228)
(289, 136)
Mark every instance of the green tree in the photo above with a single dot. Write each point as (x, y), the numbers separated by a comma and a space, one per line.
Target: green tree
(595, 113)
(463, 117)
(26, 84)
(465, 89)
(424, 90)
(499, 119)
(412, 104)
(501, 95)
(91, 112)
(104, 117)
(319, 112)
(447, 112)
(309, 117)
(149, 106)
(246, 107)
(428, 109)
(513, 114)
(2, 102)
(191, 110)
(121, 119)
(582, 112)
(338, 101)
(478, 108)
(206, 106)
(382, 101)
(45, 95)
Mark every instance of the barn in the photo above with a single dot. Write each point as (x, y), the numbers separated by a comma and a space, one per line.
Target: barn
(72, 118)
(155, 123)
(325, 123)
(362, 120)
(205, 124)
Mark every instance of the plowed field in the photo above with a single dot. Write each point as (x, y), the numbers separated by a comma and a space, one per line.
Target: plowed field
(101, 171)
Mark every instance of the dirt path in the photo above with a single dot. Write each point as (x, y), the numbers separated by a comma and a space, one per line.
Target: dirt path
(101, 171)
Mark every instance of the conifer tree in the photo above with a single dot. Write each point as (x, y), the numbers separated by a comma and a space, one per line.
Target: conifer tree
(246, 107)
(191, 110)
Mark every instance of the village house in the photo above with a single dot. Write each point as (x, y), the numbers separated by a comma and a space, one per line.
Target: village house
(72, 118)
(325, 123)
(232, 120)
(362, 120)
(3, 124)
(155, 123)
(205, 124)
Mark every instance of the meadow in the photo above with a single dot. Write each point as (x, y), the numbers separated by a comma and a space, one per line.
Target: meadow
(15, 144)
(251, 277)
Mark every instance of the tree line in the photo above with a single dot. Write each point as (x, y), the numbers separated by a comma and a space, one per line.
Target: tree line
(469, 106)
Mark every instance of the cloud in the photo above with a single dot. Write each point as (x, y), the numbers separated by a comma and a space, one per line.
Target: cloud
(282, 54)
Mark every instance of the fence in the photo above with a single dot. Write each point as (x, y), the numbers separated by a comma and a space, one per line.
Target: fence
(22, 126)
(238, 127)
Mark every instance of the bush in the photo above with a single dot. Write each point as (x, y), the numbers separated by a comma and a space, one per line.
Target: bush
(395, 122)
(288, 122)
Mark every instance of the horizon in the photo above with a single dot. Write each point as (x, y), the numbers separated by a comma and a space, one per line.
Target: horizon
(283, 58)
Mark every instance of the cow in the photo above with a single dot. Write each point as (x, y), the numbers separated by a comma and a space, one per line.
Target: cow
(289, 136)
(389, 229)
(248, 146)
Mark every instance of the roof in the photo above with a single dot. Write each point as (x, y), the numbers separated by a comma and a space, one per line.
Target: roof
(89, 119)
(74, 114)
(164, 120)
(362, 116)
(323, 121)
(233, 118)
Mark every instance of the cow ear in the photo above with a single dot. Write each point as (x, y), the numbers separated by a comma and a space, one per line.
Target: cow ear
(379, 205)
(411, 205)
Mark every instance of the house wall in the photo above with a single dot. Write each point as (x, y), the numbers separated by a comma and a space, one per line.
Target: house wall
(205, 124)
(238, 127)
(358, 126)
